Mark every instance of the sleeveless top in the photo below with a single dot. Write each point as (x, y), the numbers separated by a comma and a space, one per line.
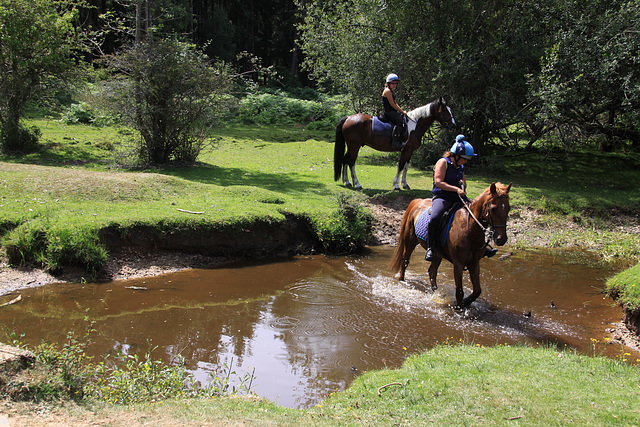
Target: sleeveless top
(452, 176)
(386, 105)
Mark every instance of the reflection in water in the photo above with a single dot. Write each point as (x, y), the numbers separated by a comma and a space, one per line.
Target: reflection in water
(309, 324)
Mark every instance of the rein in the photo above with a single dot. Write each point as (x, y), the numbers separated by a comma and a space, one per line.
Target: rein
(488, 231)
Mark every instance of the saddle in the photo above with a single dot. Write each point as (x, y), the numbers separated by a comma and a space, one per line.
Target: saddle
(422, 225)
(381, 128)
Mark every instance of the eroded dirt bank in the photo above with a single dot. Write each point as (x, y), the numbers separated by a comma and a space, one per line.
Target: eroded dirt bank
(138, 254)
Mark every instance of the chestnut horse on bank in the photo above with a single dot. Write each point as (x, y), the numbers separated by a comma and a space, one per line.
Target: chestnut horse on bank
(473, 227)
(356, 131)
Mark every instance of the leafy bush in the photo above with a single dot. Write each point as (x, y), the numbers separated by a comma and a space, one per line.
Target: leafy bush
(169, 92)
(280, 108)
(346, 229)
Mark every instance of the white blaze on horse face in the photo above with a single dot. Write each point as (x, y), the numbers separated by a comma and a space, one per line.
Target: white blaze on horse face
(453, 121)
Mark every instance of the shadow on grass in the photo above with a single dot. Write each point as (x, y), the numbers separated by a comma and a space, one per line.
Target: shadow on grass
(230, 176)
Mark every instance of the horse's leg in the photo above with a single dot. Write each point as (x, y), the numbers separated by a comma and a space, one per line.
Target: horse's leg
(404, 177)
(403, 167)
(396, 180)
(356, 183)
(474, 274)
(409, 246)
(433, 272)
(458, 269)
(345, 175)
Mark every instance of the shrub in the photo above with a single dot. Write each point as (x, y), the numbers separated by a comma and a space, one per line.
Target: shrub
(169, 93)
(280, 108)
(346, 229)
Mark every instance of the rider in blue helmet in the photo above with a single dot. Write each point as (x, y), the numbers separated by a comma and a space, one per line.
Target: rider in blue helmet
(449, 183)
(393, 113)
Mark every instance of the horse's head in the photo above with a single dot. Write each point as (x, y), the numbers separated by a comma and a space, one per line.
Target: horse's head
(443, 114)
(496, 211)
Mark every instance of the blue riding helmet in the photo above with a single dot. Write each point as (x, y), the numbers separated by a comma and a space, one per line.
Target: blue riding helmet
(462, 148)
(393, 78)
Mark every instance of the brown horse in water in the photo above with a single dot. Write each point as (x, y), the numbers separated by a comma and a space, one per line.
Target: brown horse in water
(472, 228)
(356, 131)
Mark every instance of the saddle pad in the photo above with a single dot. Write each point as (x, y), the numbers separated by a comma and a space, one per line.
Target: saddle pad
(381, 128)
(422, 225)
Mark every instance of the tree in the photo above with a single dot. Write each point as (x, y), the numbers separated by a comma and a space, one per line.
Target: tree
(37, 41)
(590, 82)
(477, 54)
(169, 92)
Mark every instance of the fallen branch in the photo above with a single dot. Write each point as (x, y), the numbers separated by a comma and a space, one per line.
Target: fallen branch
(389, 385)
(13, 301)
(191, 212)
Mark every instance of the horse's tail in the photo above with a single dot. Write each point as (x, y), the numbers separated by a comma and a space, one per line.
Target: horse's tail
(406, 230)
(338, 150)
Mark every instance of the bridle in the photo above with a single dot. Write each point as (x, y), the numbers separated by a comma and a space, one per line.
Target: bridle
(488, 231)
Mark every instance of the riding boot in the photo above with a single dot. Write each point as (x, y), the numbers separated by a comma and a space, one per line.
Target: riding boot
(430, 240)
(396, 138)
(429, 255)
(489, 251)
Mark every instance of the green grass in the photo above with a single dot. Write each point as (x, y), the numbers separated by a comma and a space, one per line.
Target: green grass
(458, 384)
(59, 199)
(626, 287)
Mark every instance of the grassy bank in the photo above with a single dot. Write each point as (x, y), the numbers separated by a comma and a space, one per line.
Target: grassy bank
(54, 203)
(625, 286)
(447, 385)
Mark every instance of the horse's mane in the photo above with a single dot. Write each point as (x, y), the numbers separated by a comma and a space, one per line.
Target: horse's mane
(421, 112)
(501, 190)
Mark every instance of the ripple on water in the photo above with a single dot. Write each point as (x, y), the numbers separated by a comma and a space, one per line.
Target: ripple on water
(322, 291)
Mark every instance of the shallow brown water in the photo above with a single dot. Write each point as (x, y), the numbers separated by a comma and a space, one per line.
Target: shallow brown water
(310, 324)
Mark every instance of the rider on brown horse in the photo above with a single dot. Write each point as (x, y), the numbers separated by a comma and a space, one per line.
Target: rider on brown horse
(393, 113)
(449, 182)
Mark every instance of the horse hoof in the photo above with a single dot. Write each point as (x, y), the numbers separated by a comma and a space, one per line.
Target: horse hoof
(359, 187)
(347, 185)
(406, 187)
(396, 189)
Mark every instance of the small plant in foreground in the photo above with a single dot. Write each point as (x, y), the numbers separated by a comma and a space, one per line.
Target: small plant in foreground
(57, 373)
(131, 379)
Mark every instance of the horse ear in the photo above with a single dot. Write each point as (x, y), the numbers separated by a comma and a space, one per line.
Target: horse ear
(509, 187)
(442, 101)
(493, 188)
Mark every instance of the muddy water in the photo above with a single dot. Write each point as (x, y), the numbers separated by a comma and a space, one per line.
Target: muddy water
(309, 325)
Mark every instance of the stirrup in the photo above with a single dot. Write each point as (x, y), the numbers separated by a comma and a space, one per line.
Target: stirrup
(429, 255)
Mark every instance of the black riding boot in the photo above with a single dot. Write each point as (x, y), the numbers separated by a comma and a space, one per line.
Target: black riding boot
(489, 251)
(429, 255)
(396, 138)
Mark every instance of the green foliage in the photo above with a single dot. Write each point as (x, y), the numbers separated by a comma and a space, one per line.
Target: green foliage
(346, 229)
(169, 93)
(590, 80)
(130, 379)
(54, 247)
(625, 286)
(37, 40)
(280, 108)
(57, 373)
